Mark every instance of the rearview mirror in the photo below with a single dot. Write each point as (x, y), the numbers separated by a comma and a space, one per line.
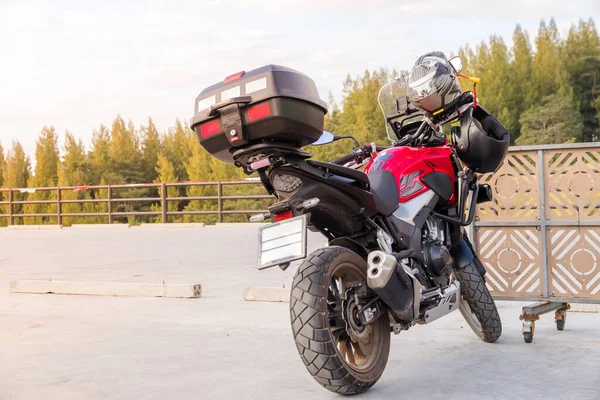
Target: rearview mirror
(456, 63)
(326, 138)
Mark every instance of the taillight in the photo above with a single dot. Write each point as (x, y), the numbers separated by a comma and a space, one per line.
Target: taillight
(283, 216)
(210, 128)
(260, 111)
(234, 77)
(285, 183)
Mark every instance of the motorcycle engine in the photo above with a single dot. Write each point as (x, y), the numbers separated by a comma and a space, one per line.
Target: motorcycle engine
(437, 257)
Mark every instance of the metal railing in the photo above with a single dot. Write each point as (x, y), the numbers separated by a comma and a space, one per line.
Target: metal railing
(110, 200)
(539, 238)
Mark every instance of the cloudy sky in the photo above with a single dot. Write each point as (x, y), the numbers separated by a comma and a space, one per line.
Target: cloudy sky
(75, 64)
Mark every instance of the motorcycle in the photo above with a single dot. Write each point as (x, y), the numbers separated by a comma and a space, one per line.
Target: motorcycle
(397, 254)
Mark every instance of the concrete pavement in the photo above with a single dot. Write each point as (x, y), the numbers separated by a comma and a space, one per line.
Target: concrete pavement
(219, 346)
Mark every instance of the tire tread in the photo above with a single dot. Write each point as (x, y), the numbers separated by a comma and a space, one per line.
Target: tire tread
(480, 300)
(307, 315)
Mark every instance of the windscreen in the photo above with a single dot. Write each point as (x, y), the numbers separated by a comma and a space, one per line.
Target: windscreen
(394, 104)
(391, 95)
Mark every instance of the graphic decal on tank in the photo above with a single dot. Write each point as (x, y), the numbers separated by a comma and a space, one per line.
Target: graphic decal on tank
(380, 161)
(409, 184)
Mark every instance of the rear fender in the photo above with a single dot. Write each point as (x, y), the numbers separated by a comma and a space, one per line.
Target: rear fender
(351, 245)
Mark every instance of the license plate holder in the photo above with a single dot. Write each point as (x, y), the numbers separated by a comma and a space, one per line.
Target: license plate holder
(282, 242)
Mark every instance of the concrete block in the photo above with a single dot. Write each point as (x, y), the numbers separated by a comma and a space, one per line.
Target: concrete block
(239, 224)
(106, 288)
(97, 226)
(19, 227)
(174, 225)
(270, 294)
(584, 307)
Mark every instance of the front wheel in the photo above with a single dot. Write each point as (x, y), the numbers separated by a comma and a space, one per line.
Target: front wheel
(341, 354)
(476, 304)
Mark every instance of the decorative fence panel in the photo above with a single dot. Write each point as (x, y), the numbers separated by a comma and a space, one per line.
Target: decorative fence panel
(540, 236)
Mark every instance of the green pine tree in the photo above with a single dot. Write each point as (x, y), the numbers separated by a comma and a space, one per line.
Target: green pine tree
(581, 58)
(519, 81)
(125, 161)
(45, 175)
(555, 120)
(166, 174)
(493, 67)
(16, 174)
(198, 169)
(74, 171)
(150, 147)
(124, 153)
(548, 76)
(99, 156)
(176, 147)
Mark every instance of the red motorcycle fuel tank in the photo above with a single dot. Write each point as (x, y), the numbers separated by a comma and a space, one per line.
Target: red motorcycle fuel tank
(410, 165)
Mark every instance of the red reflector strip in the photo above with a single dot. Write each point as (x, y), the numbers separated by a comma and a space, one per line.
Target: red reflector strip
(234, 77)
(260, 164)
(283, 216)
(211, 128)
(260, 111)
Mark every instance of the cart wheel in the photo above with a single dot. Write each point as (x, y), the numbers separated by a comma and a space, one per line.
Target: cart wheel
(528, 336)
(560, 324)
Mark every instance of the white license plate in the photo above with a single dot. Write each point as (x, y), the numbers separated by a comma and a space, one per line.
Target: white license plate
(282, 242)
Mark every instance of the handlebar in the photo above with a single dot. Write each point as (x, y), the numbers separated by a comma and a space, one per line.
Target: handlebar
(465, 98)
(344, 159)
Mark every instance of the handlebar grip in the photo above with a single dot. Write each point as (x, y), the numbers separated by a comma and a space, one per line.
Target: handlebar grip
(466, 98)
(343, 160)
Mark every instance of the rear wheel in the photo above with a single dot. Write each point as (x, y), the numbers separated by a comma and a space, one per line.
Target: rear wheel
(341, 354)
(476, 304)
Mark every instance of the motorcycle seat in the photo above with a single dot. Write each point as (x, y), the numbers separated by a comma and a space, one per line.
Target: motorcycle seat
(343, 171)
(381, 184)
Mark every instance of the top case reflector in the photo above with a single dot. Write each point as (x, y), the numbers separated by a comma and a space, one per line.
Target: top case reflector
(211, 128)
(234, 77)
(260, 111)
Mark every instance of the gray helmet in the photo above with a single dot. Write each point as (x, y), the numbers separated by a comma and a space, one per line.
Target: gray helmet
(481, 142)
(432, 82)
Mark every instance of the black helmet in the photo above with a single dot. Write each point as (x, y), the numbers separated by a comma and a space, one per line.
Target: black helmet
(481, 142)
(432, 82)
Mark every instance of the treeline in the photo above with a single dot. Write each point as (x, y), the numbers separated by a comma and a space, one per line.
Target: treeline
(119, 154)
(544, 90)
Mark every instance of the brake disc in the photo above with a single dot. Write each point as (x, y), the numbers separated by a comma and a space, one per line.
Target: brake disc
(357, 332)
